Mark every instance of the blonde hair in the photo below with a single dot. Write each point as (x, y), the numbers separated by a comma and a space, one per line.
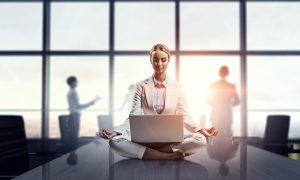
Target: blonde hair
(160, 47)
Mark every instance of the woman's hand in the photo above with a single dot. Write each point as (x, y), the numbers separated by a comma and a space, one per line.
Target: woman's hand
(107, 134)
(209, 132)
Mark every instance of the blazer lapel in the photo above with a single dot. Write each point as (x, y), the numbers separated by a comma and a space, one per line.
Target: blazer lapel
(149, 92)
(169, 94)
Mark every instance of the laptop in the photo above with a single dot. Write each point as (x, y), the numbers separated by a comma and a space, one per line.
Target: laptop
(159, 128)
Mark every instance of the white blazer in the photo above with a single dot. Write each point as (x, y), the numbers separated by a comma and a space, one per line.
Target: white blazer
(175, 103)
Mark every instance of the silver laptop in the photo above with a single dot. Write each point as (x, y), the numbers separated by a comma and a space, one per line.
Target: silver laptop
(156, 128)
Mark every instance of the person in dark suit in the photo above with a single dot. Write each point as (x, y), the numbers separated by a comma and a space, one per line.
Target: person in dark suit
(222, 97)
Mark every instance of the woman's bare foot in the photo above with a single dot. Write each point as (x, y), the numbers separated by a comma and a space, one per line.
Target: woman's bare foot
(166, 149)
(151, 154)
(178, 155)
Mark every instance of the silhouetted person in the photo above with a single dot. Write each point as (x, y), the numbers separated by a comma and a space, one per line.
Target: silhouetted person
(222, 97)
(75, 107)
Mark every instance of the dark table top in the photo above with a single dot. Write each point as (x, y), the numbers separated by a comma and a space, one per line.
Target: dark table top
(221, 159)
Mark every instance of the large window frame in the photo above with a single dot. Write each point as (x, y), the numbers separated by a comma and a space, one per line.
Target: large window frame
(46, 52)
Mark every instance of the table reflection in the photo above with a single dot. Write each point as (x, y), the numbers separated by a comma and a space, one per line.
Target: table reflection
(137, 169)
(222, 159)
(222, 149)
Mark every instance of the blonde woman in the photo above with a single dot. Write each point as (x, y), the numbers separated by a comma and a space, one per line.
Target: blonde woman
(159, 94)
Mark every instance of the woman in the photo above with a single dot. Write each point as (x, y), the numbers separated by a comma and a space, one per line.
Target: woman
(158, 94)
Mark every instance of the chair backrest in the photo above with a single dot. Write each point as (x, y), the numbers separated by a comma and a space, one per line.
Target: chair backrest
(277, 129)
(13, 145)
(64, 128)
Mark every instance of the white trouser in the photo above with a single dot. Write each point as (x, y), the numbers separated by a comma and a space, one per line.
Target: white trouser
(125, 147)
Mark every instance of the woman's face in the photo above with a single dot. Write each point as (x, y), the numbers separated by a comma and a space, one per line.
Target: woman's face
(159, 61)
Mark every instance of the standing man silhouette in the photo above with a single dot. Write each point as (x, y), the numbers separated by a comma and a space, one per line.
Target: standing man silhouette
(75, 107)
(222, 97)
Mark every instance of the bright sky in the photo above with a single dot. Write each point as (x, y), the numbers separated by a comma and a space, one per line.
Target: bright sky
(273, 82)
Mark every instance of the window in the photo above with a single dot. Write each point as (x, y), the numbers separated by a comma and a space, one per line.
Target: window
(21, 90)
(273, 26)
(209, 26)
(21, 26)
(79, 26)
(92, 74)
(197, 73)
(273, 87)
(79, 38)
(140, 25)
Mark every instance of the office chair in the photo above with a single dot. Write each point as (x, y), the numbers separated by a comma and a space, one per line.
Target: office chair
(13, 146)
(64, 132)
(276, 134)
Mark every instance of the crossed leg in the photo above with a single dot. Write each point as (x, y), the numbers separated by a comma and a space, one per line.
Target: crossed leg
(127, 148)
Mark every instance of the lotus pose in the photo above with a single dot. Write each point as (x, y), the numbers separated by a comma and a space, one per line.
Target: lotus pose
(159, 94)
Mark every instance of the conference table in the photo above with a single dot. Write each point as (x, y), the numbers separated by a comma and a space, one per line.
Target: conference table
(220, 159)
